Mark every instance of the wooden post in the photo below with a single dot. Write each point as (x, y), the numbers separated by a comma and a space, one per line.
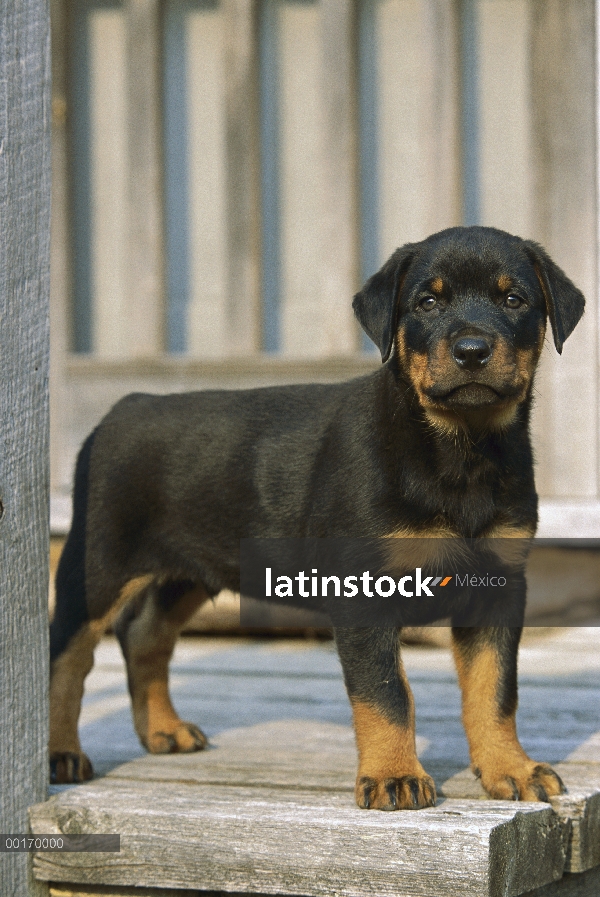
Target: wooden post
(564, 151)
(243, 321)
(340, 115)
(60, 265)
(24, 294)
(145, 286)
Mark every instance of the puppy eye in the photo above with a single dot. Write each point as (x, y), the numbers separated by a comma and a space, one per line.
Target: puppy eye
(513, 301)
(427, 303)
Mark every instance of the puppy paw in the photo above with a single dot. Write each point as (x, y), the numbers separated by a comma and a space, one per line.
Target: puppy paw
(67, 767)
(410, 792)
(530, 781)
(184, 739)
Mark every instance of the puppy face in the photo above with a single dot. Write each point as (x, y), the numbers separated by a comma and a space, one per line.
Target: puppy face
(470, 331)
(466, 311)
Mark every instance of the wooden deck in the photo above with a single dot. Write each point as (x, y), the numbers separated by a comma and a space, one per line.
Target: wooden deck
(269, 808)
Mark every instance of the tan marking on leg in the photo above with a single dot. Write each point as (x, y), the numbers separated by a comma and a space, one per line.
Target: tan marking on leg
(506, 771)
(149, 640)
(67, 676)
(384, 749)
(390, 776)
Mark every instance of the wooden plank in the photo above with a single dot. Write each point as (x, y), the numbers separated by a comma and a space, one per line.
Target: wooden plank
(240, 33)
(60, 268)
(109, 206)
(417, 101)
(24, 468)
(144, 312)
(24, 439)
(563, 108)
(230, 839)
(504, 93)
(339, 208)
(302, 178)
(585, 885)
(115, 891)
(322, 756)
(250, 681)
(290, 753)
(207, 324)
(579, 808)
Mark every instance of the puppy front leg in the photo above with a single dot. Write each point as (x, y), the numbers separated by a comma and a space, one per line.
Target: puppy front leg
(486, 661)
(390, 776)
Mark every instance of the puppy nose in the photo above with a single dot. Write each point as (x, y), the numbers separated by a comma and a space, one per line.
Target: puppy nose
(471, 352)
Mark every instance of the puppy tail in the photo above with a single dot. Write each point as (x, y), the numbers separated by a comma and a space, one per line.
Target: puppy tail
(71, 610)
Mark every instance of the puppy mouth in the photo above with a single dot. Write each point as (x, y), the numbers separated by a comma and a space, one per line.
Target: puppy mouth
(471, 395)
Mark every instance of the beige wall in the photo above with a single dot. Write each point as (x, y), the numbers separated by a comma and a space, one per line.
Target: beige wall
(537, 133)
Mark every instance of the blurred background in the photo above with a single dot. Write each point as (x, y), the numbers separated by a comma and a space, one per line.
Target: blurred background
(228, 172)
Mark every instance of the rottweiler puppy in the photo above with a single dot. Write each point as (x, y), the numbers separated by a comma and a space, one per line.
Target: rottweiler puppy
(435, 443)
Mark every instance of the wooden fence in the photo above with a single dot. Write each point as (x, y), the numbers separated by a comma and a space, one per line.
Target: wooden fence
(24, 294)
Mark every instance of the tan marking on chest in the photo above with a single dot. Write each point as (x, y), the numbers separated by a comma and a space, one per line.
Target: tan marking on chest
(510, 543)
(434, 547)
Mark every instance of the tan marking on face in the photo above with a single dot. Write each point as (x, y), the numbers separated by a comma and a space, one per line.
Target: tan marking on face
(422, 368)
(502, 362)
(504, 282)
(70, 668)
(150, 638)
(507, 366)
(527, 360)
(401, 346)
(438, 285)
(445, 421)
(425, 369)
(418, 371)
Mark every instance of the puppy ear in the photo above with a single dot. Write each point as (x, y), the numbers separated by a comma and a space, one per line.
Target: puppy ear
(376, 306)
(564, 302)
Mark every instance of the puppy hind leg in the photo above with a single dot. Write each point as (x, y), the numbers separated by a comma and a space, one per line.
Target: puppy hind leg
(68, 763)
(147, 631)
(72, 658)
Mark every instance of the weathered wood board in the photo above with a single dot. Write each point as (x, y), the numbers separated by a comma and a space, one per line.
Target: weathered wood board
(24, 450)
(269, 807)
(579, 808)
(585, 885)
(279, 841)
